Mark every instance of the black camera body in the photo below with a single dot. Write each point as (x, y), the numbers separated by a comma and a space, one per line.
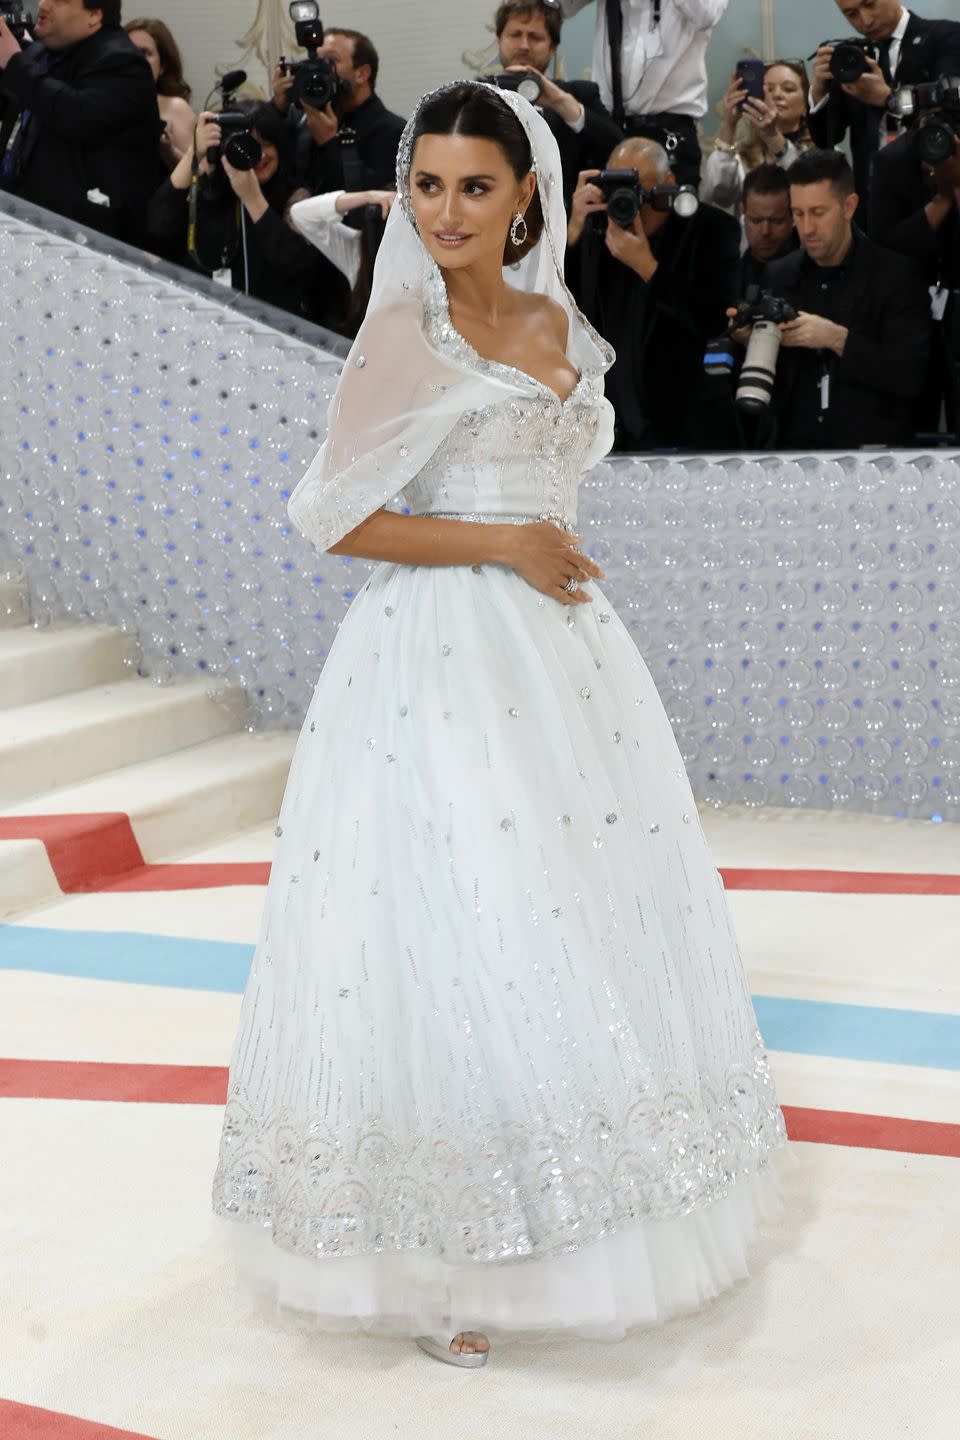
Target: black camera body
(238, 145)
(625, 197)
(849, 59)
(315, 80)
(934, 110)
(18, 22)
(529, 85)
(761, 305)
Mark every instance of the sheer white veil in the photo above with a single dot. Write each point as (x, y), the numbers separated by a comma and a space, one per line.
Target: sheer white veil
(410, 375)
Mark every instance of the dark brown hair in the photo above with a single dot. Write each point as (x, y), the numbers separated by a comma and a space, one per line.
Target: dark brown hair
(552, 18)
(109, 9)
(475, 110)
(170, 80)
(364, 50)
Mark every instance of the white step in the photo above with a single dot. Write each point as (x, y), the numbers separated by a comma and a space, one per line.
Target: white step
(14, 604)
(38, 664)
(54, 743)
(195, 797)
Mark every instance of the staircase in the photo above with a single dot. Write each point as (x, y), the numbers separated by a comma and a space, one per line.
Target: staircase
(102, 771)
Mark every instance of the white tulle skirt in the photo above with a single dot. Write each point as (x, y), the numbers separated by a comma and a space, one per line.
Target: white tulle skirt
(642, 1276)
(498, 1065)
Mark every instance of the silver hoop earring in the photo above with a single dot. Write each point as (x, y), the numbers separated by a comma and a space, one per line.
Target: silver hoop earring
(515, 237)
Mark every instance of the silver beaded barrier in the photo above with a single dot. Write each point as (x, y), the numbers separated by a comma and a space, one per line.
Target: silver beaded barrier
(800, 614)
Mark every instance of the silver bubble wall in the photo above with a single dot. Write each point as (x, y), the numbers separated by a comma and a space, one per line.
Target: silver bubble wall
(801, 615)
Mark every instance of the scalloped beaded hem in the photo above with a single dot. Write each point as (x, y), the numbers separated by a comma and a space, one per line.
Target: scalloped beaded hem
(641, 1276)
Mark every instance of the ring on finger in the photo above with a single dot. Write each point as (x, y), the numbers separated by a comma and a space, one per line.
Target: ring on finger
(571, 585)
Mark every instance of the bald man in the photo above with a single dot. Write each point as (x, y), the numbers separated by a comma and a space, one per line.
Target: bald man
(658, 289)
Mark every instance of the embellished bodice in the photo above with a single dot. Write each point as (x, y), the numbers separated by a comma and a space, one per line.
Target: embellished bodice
(522, 455)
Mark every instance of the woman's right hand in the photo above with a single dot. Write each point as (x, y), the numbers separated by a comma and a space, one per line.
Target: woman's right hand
(733, 100)
(547, 558)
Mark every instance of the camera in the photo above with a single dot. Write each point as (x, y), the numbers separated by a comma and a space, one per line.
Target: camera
(935, 110)
(315, 80)
(529, 86)
(849, 59)
(625, 197)
(766, 312)
(19, 23)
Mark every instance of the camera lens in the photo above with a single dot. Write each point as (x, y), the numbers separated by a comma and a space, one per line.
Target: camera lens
(847, 63)
(529, 87)
(936, 141)
(242, 151)
(623, 206)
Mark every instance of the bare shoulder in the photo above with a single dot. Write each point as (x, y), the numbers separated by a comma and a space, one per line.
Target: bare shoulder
(176, 108)
(547, 312)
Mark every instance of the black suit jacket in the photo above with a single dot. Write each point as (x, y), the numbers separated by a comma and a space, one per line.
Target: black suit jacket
(94, 124)
(589, 150)
(930, 48)
(873, 386)
(659, 329)
(899, 193)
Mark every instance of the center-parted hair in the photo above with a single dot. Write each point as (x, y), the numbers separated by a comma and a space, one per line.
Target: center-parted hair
(475, 110)
(817, 165)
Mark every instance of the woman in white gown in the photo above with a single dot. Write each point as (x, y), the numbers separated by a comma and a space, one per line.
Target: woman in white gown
(497, 1063)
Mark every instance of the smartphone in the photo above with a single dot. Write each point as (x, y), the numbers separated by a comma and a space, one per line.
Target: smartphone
(750, 73)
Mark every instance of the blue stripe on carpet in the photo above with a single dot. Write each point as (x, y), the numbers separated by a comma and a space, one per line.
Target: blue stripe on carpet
(806, 1027)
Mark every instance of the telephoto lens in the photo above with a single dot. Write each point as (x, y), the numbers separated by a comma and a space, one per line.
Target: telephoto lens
(936, 138)
(755, 389)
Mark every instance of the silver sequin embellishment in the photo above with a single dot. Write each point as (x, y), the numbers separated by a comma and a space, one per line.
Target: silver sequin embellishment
(360, 361)
(585, 692)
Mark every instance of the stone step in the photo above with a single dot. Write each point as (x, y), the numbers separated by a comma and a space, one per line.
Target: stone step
(193, 797)
(54, 743)
(39, 664)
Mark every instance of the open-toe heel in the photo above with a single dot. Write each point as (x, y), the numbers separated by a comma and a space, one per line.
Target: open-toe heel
(440, 1350)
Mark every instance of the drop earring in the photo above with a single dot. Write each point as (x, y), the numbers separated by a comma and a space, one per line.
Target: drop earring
(515, 237)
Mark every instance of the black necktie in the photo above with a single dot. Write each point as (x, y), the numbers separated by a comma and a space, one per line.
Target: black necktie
(884, 60)
(615, 41)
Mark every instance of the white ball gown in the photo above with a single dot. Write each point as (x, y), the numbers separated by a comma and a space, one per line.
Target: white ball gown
(497, 1065)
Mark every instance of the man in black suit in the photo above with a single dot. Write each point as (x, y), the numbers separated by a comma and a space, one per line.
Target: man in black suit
(912, 51)
(658, 290)
(350, 144)
(88, 142)
(852, 363)
(528, 35)
(768, 229)
(915, 210)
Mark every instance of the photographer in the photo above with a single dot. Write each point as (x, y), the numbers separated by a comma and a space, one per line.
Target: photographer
(657, 288)
(650, 61)
(88, 141)
(768, 230)
(853, 360)
(238, 231)
(528, 35)
(771, 131)
(909, 51)
(350, 142)
(915, 210)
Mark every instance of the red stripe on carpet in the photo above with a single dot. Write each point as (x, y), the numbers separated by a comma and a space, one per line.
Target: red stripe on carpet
(99, 852)
(96, 1080)
(207, 1085)
(190, 877)
(872, 1132)
(84, 850)
(26, 1422)
(842, 882)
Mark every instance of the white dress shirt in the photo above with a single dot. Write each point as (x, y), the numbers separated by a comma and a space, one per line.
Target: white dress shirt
(664, 67)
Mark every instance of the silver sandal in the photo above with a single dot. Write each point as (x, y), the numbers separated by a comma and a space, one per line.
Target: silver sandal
(441, 1351)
